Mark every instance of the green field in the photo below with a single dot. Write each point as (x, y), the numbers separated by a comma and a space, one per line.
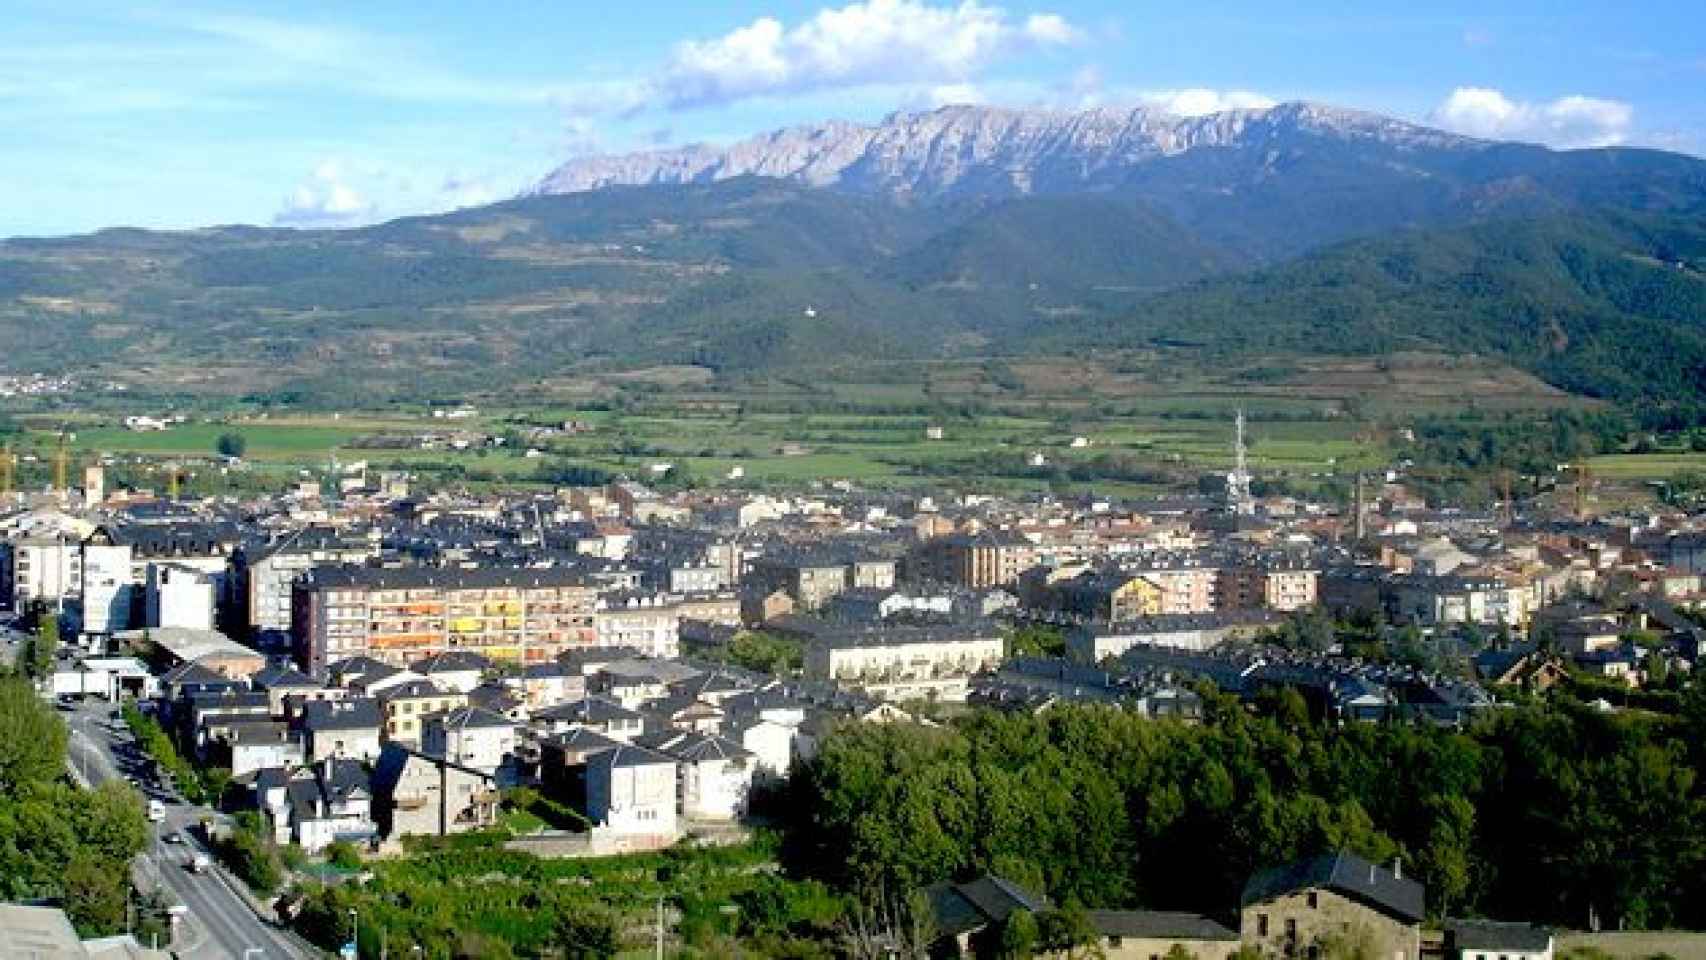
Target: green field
(1647, 466)
(1152, 423)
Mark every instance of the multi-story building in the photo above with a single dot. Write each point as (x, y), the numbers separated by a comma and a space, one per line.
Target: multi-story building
(648, 623)
(108, 588)
(1266, 586)
(814, 577)
(993, 558)
(270, 571)
(1183, 589)
(179, 596)
(892, 653)
(406, 707)
(45, 569)
(399, 616)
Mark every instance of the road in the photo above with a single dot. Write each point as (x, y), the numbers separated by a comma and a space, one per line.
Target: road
(220, 923)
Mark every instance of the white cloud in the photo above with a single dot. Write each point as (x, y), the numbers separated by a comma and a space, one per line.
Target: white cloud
(1052, 28)
(954, 94)
(876, 41)
(1199, 101)
(1572, 121)
(1477, 37)
(324, 199)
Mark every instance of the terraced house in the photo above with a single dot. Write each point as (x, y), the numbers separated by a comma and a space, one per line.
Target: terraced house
(400, 616)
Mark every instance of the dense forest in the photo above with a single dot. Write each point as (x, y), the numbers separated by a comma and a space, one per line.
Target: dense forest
(1106, 808)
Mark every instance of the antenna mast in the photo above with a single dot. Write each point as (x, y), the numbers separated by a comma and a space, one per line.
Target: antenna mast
(1238, 481)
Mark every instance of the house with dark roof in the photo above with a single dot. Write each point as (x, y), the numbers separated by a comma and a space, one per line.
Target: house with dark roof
(714, 773)
(315, 805)
(472, 737)
(962, 911)
(598, 713)
(421, 795)
(458, 670)
(1495, 940)
(341, 728)
(1294, 909)
(1142, 934)
(631, 791)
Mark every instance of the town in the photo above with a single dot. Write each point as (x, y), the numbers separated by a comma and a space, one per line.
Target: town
(310, 685)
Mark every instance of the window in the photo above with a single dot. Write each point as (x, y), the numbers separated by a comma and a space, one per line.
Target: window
(1291, 928)
(1314, 900)
(1261, 924)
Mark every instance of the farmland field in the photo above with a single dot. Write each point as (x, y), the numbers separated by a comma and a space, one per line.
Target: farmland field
(1145, 423)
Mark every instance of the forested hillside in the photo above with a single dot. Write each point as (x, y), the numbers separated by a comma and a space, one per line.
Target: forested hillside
(1611, 306)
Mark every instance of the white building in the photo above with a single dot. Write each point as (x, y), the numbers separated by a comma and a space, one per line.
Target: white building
(315, 806)
(107, 583)
(897, 653)
(45, 569)
(470, 737)
(651, 625)
(770, 743)
(111, 677)
(180, 596)
(714, 774)
(632, 791)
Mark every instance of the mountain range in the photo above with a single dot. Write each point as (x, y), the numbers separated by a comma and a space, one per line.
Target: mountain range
(964, 231)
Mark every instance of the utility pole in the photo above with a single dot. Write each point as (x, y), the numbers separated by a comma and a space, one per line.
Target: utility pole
(660, 928)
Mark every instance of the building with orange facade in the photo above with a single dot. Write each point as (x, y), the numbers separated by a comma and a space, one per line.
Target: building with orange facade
(402, 615)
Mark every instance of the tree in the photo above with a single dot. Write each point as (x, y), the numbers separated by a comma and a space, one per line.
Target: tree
(1018, 936)
(232, 445)
(96, 896)
(44, 647)
(343, 855)
(1068, 932)
(32, 739)
(584, 933)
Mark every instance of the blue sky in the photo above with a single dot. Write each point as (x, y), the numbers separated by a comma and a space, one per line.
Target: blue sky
(339, 113)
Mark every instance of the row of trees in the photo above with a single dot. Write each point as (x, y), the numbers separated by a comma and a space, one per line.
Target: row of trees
(1100, 807)
(58, 842)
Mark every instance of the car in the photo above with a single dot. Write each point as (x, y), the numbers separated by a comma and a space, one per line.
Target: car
(175, 838)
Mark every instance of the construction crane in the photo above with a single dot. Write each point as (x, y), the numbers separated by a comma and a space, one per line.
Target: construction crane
(1584, 477)
(60, 457)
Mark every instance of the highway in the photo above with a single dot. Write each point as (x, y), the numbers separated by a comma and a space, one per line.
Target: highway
(219, 922)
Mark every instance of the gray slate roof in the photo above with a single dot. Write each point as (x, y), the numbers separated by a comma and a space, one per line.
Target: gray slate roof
(1493, 935)
(1346, 874)
(1159, 925)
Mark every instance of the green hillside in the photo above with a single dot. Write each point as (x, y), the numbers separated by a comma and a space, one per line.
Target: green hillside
(1611, 306)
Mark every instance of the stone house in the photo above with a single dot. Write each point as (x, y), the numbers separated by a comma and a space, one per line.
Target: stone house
(420, 795)
(1293, 910)
(1147, 934)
